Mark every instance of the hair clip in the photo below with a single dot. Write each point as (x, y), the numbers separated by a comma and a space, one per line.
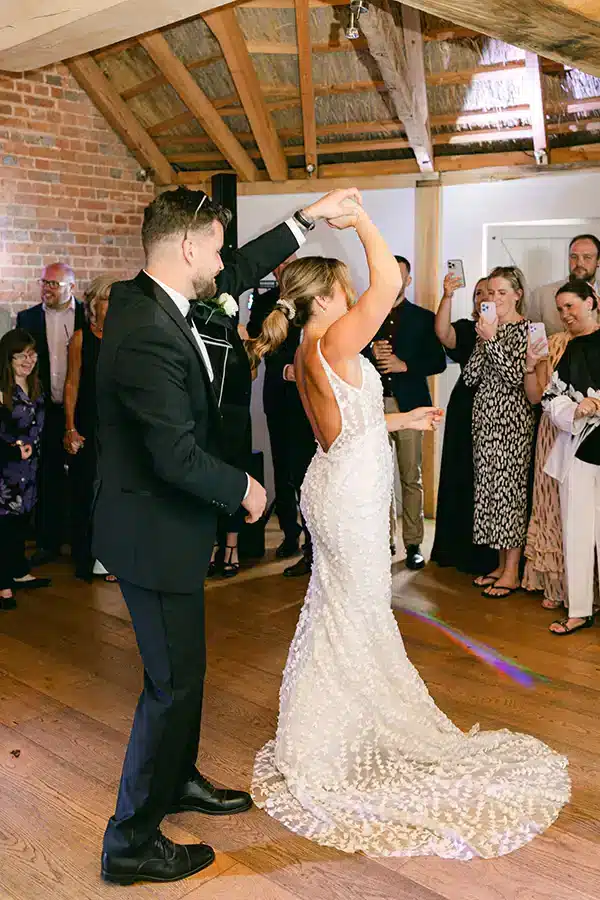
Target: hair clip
(287, 307)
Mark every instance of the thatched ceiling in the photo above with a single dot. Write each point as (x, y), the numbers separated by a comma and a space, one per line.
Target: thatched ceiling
(480, 106)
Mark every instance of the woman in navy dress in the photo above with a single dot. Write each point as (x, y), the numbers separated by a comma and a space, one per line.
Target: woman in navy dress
(21, 422)
(453, 544)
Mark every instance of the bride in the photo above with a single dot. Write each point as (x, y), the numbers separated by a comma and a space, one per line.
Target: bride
(363, 760)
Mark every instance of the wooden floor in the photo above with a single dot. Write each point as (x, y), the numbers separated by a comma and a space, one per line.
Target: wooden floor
(69, 677)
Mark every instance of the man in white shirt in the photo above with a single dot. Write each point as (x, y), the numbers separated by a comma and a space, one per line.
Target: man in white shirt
(51, 323)
(584, 257)
(163, 483)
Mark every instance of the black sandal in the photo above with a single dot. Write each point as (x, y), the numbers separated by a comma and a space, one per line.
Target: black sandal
(588, 621)
(230, 569)
(488, 580)
(213, 566)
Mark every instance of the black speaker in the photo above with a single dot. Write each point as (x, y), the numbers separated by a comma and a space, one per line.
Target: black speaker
(224, 192)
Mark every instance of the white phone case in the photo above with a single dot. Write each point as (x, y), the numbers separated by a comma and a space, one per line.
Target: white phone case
(488, 311)
(456, 267)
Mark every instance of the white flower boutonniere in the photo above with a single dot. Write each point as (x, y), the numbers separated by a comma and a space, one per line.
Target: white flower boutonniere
(227, 304)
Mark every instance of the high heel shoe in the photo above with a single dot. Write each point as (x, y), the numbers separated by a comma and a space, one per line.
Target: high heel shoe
(213, 566)
(230, 569)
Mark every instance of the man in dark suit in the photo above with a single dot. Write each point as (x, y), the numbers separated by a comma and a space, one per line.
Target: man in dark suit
(52, 323)
(162, 485)
(406, 350)
(290, 434)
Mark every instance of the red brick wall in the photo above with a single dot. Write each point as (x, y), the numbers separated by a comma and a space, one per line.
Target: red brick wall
(68, 188)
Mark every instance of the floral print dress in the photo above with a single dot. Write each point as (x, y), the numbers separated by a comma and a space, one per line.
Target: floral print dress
(18, 477)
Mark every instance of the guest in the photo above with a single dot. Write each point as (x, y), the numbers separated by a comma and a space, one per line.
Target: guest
(81, 423)
(290, 433)
(544, 567)
(503, 429)
(21, 423)
(572, 401)
(51, 324)
(406, 350)
(584, 256)
(453, 544)
(224, 342)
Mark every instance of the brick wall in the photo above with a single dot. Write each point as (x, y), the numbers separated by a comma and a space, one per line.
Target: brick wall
(68, 188)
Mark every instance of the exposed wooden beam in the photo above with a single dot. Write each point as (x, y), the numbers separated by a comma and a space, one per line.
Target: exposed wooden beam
(225, 27)
(567, 31)
(119, 116)
(150, 84)
(281, 48)
(466, 161)
(383, 167)
(389, 52)
(199, 105)
(307, 88)
(413, 45)
(582, 153)
(535, 91)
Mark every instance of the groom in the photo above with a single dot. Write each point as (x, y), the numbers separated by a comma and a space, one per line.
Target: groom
(162, 485)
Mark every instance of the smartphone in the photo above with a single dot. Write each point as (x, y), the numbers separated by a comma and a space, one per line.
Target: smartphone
(488, 311)
(537, 332)
(455, 267)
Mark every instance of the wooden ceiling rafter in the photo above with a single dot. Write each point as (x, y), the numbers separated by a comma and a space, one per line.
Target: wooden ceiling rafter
(116, 112)
(307, 87)
(535, 92)
(224, 25)
(198, 104)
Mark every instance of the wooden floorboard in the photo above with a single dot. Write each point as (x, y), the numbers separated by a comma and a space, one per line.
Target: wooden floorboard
(69, 678)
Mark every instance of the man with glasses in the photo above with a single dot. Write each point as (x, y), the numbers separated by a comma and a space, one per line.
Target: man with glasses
(52, 323)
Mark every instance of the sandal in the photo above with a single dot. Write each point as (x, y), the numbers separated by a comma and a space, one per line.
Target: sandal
(8, 602)
(230, 569)
(588, 621)
(485, 580)
(213, 566)
(551, 604)
(506, 592)
(110, 579)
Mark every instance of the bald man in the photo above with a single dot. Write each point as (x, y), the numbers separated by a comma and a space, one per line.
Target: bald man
(52, 323)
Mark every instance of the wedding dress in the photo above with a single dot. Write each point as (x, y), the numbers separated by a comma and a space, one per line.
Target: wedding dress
(363, 760)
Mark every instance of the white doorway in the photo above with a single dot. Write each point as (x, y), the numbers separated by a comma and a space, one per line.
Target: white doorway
(539, 249)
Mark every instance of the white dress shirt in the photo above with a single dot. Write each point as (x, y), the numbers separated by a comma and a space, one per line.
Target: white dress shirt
(60, 325)
(183, 305)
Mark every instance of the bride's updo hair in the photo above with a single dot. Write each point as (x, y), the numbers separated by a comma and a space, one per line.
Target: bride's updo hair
(301, 281)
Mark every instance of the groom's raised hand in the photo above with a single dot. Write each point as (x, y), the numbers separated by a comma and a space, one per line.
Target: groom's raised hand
(255, 500)
(333, 204)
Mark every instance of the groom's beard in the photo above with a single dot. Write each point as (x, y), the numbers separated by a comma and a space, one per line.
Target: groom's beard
(204, 288)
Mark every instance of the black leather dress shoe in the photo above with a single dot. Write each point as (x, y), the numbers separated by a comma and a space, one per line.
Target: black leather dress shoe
(414, 557)
(199, 795)
(302, 567)
(288, 547)
(32, 584)
(161, 860)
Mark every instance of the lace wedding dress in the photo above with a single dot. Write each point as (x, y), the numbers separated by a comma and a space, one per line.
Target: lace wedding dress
(363, 760)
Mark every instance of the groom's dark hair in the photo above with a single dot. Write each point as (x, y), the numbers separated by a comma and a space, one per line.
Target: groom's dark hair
(180, 211)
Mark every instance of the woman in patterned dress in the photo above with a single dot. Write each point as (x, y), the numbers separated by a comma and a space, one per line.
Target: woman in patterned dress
(21, 422)
(545, 568)
(503, 430)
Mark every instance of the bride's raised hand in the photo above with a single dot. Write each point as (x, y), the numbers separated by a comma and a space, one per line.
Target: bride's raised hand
(349, 219)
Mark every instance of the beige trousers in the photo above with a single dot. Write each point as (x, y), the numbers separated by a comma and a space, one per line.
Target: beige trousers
(408, 446)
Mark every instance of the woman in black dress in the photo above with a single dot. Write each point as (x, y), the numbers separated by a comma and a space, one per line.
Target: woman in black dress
(453, 544)
(81, 423)
(21, 422)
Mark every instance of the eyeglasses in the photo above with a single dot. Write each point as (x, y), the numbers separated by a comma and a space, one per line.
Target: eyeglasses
(54, 285)
(25, 356)
(198, 208)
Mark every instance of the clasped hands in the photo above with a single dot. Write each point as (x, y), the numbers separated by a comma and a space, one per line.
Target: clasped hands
(387, 361)
(589, 406)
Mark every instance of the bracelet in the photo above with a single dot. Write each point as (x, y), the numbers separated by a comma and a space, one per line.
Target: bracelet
(70, 430)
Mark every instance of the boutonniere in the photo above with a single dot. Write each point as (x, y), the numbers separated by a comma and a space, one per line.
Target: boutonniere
(225, 303)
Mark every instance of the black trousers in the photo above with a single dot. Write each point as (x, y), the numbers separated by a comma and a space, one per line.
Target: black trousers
(163, 745)
(286, 492)
(13, 563)
(53, 495)
(82, 473)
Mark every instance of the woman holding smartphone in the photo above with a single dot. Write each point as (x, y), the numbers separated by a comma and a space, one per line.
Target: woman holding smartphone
(503, 428)
(453, 544)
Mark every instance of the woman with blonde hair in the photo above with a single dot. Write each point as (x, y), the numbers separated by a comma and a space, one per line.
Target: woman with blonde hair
(363, 760)
(81, 421)
(503, 429)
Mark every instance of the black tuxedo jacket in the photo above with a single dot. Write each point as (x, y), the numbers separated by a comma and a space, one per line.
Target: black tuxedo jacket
(33, 320)
(162, 480)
